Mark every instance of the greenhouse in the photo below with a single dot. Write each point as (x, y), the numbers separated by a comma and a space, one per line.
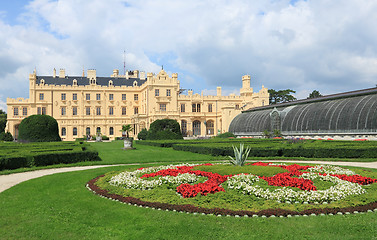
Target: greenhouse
(350, 115)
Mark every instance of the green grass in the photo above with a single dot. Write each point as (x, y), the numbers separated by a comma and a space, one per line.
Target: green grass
(60, 207)
(112, 153)
(223, 169)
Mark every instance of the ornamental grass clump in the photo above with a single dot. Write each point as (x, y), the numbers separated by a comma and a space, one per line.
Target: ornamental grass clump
(240, 155)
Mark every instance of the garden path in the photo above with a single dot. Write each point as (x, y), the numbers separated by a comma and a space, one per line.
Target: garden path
(8, 181)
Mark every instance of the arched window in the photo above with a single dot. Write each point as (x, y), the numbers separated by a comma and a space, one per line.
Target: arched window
(135, 84)
(184, 128)
(196, 128)
(64, 131)
(42, 82)
(98, 130)
(74, 82)
(88, 131)
(111, 131)
(111, 83)
(74, 131)
(210, 128)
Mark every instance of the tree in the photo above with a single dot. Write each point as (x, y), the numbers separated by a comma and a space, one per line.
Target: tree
(164, 129)
(143, 134)
(39, 128)
(127, 128)
(281, 96)
(315, 94)
(6, 136)
(3, 120)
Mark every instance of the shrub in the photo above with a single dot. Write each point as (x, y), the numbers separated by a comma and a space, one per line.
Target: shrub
(6, 136)
(164, 129)
(39, 128)
(226, 135)
(104, 137)
(143, 134)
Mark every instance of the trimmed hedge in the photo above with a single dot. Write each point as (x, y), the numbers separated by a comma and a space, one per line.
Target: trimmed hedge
(39, 128)
(356, 150)
(15, 155)
(164, 129)
(275, 147)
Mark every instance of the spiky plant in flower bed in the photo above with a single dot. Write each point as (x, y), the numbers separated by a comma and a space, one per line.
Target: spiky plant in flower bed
(240, 155)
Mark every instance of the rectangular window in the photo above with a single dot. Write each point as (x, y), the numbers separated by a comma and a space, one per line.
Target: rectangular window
(168, 93)
(44, 111)
(24, 111)
(198, 107)
(183, 106)
(98, 110)
(237, 106)
(111, 96)
(74, 96)
(74, 111)
(63, 95)
(41, 96)
(163, 107)
(136, 97)
(157, 92)
(124, 111)
(87, 96)
(87, 110)
(210, 107)
(124, 97)
(63, 111)
(136, 110)
(194, 107)
(98, 96)
(111, 110)
(15, 111)
(39, 111)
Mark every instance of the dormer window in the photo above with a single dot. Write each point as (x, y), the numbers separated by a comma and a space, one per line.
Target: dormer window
(42, 82)
(74, 82)
(135, 84)
(111, 83)
(92, 81)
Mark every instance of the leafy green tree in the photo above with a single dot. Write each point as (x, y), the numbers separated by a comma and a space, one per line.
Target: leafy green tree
(315, 94)
(164, 129)
(281, 96)
(143, 134)
(6, 136)
(39, 128)
(3, 120)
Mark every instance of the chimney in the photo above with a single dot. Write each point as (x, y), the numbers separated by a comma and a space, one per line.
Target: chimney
(92, 74)
(62, 73)
(54, 73)
(219, 91)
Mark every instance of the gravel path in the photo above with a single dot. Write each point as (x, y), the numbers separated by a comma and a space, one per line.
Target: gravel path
(8, 181)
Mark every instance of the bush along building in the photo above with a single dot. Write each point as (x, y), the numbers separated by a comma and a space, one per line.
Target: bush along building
(348, 116)
(87, 105)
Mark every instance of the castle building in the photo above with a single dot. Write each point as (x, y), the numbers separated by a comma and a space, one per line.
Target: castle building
(85, 105)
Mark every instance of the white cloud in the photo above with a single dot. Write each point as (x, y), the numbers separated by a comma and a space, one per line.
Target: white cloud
(310, 45)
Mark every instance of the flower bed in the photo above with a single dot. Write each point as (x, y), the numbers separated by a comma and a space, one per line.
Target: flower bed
(294, 190)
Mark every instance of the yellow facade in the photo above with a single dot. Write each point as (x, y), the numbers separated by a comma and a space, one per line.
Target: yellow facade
(89, 104)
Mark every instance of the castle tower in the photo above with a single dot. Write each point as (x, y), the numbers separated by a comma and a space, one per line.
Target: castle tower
(246, 90)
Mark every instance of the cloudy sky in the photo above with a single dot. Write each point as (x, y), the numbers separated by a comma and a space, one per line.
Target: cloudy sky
(303, 45)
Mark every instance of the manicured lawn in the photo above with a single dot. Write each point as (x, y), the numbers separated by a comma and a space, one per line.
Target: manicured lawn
(60, 207)
(112, 153)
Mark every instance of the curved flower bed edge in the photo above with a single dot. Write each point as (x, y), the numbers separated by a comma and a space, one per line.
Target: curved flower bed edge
(225, 212)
